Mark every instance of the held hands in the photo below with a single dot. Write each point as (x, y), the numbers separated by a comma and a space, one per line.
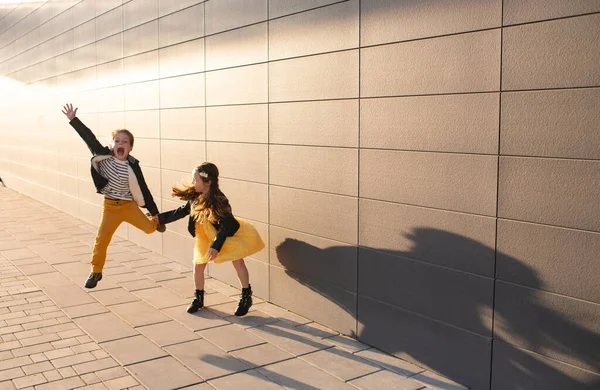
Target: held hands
(69, 112)
(212, 254)
(155, 218)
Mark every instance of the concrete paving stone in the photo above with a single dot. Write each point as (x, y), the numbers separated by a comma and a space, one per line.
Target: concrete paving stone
(70, 360)
(217, 298)
(167, 333)
(52, 375)
(317, 330)
(253, 319)
(75, 270)
(37, 368)
(41, 323)
(226, 309)
(281, 314)
(45, 310)
(205, 359)
(114, 296)
(96, 365)
(111, 373)
(230, 337)
(69, 383)
(140, 284)
(11, 373)
(31, 350)
(24, 320)
(15, 362)
(183, 287)
(58, 353)
(39, 339)
(11, 329)
(4, 355)
(29, 380)
(164, 373)
(18, 253)
(100, 354)
(90, 379)
(58, 328)
(137, 262)
(437, 382)
(8, 385)
(98, 386)
(390, 362)
(202, 319)
(67, 372)
(165, 275)
(297, 374)
(121, 383)
(70, 295)
(87, 347)
(85, 310)
(70, 342)
(244, 380)
(10, 244)
(133, 350)
(105, 327)
(386, 380)
(340, 363)
(161, 298)
(113, 269)
(261, 355)
(139, 313)
(347, 343)
(33, 266)
(79, 250)
(53, 279)
(126, 276)
(67, 334)
(289, 339)
(221, 287)
(177, 267)
(151, 269)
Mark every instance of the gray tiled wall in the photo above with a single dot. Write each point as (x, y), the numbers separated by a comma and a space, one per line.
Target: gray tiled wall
(424, 173)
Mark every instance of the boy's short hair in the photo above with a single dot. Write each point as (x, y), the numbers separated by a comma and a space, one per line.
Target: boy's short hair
(115, 132)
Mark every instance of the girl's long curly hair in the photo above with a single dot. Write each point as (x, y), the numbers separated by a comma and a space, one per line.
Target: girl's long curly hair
(205, 207)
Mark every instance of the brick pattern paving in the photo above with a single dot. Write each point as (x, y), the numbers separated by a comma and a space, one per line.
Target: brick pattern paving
(132, 331)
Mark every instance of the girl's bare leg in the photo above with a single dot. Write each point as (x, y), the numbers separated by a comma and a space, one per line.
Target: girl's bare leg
(242, 272)
(199, 276)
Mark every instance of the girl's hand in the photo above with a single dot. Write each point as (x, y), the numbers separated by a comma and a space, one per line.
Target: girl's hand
(155, 218)
(212, 254)
(69, 112)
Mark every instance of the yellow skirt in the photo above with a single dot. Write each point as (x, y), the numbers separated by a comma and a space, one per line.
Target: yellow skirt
(244, 242)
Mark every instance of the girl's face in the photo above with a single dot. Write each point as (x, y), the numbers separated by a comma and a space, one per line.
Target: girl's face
(121, 146)
(201, 186)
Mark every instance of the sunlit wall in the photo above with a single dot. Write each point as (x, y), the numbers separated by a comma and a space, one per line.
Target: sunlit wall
(425, 173)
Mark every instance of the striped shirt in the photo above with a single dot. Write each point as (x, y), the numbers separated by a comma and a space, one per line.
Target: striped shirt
(117, 173)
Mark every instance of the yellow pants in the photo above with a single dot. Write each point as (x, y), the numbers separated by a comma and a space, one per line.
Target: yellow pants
(114, 212)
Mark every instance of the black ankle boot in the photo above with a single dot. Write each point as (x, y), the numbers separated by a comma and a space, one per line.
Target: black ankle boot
(245, 302)
(197, 303)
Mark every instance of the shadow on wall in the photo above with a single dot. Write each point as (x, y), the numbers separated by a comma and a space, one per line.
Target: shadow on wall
(464, 355)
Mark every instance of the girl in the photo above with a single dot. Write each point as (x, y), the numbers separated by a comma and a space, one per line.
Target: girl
(219, 235)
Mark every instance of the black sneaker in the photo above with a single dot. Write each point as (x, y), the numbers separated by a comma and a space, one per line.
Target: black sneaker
(245, 302)
(197, 303)
(93, 279)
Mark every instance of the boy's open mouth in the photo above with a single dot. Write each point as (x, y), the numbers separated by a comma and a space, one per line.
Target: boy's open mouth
(120, 151)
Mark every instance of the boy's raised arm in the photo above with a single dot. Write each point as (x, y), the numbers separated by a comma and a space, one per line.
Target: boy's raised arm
(84, 132)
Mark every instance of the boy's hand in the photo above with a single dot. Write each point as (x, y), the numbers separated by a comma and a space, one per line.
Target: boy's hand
(155, 218)
(212, 254)
(69, 112)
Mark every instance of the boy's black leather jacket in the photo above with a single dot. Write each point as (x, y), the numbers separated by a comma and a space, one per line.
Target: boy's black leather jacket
(227, 228)
(137, 185)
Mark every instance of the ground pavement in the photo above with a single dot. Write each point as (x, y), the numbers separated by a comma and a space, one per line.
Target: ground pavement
(132, 331)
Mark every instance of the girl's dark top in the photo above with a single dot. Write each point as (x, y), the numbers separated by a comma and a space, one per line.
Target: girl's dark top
(226, 227)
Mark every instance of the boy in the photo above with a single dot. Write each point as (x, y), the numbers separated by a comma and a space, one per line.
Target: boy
(117, 176)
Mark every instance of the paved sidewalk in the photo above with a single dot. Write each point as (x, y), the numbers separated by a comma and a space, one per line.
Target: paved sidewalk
(132, 331)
